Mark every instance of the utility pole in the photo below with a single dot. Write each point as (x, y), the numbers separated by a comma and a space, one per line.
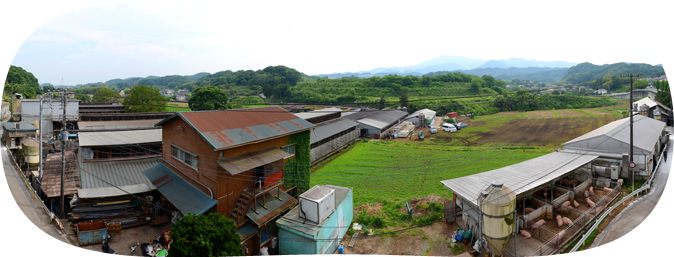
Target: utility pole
(39, 140)
(63, 157)
(631, 127)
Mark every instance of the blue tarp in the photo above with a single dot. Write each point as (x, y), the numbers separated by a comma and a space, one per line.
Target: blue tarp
(183, 195)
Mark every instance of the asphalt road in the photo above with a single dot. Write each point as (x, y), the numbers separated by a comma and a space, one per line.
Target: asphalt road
(636, 229)
(25, 229)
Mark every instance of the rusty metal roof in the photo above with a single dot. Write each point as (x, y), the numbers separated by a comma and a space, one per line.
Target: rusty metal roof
(51, 178)
(251, 160)
(229, 128)
(275, 207)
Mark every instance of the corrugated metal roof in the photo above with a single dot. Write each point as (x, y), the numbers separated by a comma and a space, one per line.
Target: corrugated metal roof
(383, 119)
(183, 195)
(102, 192)
(427, 113)
(520, 177)
(120, 124)
(355, 115)
(647, 132)
(317, 113)
(23, 126)
(647, 101)
(127, 137)
(51, 178)
(116, 173)
(246, 232)
(274, 207)
(229, 128)
(293, 221)
(251, 160)
(329, 128)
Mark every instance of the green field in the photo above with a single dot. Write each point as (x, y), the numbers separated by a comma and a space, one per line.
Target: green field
(177, 109)
(394, 171)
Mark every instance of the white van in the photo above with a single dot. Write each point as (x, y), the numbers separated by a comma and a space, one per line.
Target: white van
(448, 127)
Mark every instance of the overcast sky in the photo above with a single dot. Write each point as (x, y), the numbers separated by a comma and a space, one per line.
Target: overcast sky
(99, 42)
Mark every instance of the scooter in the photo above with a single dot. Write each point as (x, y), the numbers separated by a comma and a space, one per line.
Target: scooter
(106, 248)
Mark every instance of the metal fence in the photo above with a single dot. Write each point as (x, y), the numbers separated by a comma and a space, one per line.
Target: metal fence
(645, 187)
(552, 241)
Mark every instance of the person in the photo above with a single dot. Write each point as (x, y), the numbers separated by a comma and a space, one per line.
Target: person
(665, 154)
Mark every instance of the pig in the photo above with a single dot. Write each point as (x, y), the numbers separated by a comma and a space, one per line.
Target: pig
(591, 190)
(567, 221)
(565, 207)
(528, 210)
(608, 190)
(575, 204)
(597, 210)
(560, 222)
(590, 203)
(537, 224)
(559, 237)
(587, 193)
(525, 234)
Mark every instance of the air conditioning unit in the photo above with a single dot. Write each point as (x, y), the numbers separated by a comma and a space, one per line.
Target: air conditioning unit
(317, 203)
(615, 172)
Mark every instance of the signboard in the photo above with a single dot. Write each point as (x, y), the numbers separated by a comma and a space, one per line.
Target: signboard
(632, 165)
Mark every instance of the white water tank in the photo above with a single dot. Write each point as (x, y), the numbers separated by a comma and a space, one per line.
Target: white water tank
(317, 203)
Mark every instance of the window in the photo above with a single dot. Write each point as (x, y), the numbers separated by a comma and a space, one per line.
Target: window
(184, 156)
(289, 149)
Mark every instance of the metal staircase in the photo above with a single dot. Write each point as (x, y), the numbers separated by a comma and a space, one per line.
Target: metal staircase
(242, 205)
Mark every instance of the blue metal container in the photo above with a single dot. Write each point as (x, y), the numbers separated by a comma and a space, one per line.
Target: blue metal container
(89, 233)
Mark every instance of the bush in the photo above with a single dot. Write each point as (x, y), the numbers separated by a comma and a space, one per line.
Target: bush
(367, 220)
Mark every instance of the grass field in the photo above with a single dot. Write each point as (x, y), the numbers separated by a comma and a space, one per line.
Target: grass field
(395, 171)
(177, 107)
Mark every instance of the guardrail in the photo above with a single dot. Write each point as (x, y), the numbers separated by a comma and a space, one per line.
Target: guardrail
(608, 211)
(51, 215)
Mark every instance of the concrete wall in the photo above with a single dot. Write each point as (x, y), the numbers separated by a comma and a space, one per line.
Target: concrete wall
(329, 147)
(292, 242)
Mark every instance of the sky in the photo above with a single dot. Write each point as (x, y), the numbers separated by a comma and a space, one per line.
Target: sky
(99, 42)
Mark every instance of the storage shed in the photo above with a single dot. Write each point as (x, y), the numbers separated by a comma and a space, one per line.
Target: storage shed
(377, 122)
(300, 236)
(612, 140)
(429, 116)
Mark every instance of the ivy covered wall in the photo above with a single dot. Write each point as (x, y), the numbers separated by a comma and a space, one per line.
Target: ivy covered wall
(297, 171)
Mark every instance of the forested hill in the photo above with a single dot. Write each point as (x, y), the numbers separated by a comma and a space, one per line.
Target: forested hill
(21, 81)
(171, 81)
(585, 72)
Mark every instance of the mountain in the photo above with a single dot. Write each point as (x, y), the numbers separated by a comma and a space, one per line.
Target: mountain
(25, 83)
(456, 63)
(494, 64)
(588, 72)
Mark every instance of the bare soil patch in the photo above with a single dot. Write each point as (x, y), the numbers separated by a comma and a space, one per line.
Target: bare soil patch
(369, 208)
(569, 113)
(540, 114)
(503, 114)
(541, 132)
(595, 112)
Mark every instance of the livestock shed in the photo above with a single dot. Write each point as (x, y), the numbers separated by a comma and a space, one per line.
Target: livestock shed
(375, 123)
(612, 141)
(328, 137)
(112, 125)
(52, 112)
(120, 144)
(535, 196)
(322, 115)
(429, 116)
(300, 235)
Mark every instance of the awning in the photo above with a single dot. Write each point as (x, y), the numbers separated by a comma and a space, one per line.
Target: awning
(275, 207)
(102, 192)
(183, 195)
(246, 232)
(252, 160)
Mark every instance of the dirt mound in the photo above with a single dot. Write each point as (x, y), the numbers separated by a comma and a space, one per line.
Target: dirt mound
(369, 208)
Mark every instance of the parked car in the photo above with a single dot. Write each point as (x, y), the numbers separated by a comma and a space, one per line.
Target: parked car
(455, 125)
(448, 127)
(462, 125)
(433, 129)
